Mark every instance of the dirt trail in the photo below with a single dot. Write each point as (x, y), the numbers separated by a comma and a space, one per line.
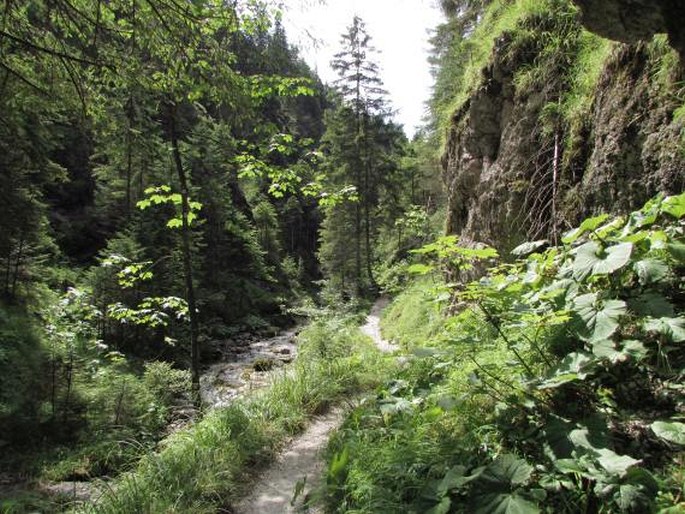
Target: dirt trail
(274, 490)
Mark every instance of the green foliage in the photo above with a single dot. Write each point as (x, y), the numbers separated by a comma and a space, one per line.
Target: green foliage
(23, 359)
(522, 399)
(412, 319)
(206, 466)
(162, 195)
(449, 256)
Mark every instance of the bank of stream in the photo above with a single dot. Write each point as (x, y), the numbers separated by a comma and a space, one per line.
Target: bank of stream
(242, 364)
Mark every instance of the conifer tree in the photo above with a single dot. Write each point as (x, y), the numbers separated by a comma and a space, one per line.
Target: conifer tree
(363, 97)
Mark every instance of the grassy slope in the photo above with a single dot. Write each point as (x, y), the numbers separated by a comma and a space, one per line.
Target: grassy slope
(205, 467)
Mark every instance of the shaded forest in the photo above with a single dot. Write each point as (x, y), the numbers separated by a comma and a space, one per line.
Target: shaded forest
(180, 191)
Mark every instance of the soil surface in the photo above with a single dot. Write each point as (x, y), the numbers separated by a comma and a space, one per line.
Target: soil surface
(300, 464)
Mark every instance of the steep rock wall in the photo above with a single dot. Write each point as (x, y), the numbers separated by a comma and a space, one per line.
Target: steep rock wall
(631, 21)
(515, 168)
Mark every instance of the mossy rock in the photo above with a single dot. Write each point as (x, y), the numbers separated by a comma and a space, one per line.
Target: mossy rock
(263, 364)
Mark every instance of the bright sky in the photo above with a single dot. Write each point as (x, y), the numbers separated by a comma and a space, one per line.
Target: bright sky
(399, 30)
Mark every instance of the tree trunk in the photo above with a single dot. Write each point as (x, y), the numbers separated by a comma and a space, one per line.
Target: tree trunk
(367, 202)
(555, 180)
(129, 155)
(17, 265)
(187, 262)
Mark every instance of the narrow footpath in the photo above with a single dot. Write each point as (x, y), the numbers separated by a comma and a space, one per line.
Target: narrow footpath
(301, 459)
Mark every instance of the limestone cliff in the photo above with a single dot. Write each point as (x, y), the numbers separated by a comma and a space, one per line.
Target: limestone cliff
(564, 124)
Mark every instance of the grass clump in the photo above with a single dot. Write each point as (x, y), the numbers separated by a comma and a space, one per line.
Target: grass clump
(413, 318)
(204, 468)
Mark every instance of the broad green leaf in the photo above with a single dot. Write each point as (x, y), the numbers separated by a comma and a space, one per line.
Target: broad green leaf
(575, 366)
(677, 251)
(587, 225)
(507, 469)
(174, 223)
(636, 237)
(592, 259)
(503, 503)
(632, 498)
(626, 350)
(455, 478)
(644, 217)
(613, 462)
(613, 226)
(672, 328)
(569, 466)
(671, 431)
(636, 349)
(482, 252)
(591, 436)
(674, 205)
(642, 477)
(601, 318)
(420, 269)
(556, 433)
(651, 304)
(441, 508)
(651, 271)
(606, 349)
(529, 247)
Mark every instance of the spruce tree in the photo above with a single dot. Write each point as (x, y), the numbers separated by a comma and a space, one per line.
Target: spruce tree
(362, 94)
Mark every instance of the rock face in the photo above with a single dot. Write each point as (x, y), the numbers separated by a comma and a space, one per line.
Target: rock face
(515, 170)
(630, 21)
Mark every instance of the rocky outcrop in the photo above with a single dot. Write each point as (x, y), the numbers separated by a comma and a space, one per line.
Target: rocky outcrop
(634, 148)
(516, 170)
(631, 21)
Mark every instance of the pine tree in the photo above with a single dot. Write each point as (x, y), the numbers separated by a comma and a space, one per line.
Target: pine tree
(362, 94)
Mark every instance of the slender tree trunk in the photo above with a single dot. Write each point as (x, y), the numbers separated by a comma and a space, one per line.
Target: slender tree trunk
(67, 397)
(53, 377)
(187, 262)
(555, 179)
(129, 157)
(367, 207)
(360, 190)
(8, 271)
(17, 264)
(358, 243)
(120, 402)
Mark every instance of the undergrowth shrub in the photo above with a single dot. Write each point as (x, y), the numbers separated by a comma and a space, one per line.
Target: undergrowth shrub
(556, 387)
(414, 317)
(23, 365)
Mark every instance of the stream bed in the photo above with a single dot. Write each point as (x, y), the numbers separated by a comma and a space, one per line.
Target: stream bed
(245, 365)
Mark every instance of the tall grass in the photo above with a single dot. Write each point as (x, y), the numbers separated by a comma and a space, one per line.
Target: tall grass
(413, 318)
(392, 449)
(206, 467)
(593, 52)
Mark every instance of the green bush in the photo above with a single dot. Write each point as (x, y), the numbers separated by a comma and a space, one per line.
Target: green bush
(414, 317)
(23, 376)
(556, 388)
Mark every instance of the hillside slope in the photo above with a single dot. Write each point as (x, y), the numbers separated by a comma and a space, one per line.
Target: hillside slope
(554, 123)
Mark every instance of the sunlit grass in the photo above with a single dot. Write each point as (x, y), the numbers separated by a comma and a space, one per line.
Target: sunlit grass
(207, 466)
